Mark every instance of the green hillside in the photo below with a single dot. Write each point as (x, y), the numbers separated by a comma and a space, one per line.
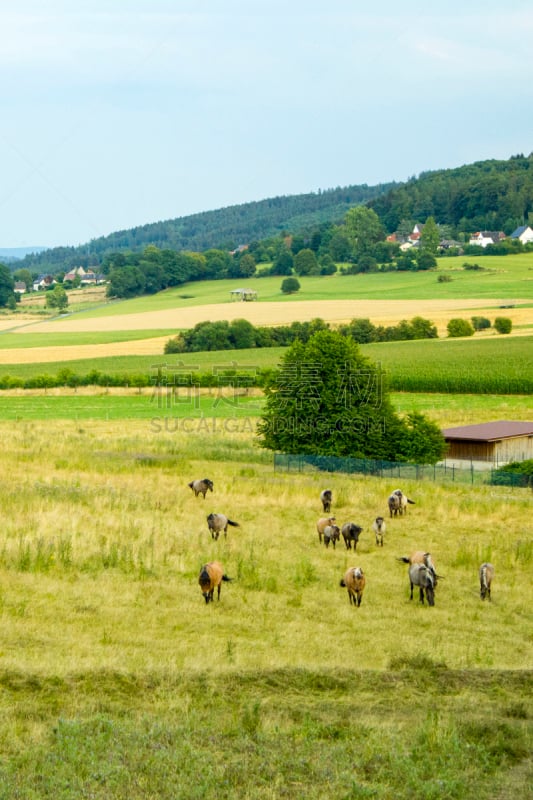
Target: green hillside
(224, 227)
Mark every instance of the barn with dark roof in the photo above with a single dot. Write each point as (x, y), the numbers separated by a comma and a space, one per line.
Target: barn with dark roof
(495, 442)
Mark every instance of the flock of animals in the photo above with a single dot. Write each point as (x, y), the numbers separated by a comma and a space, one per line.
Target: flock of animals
(422, 572)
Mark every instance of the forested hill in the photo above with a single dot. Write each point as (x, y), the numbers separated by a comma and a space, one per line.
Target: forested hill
(485, 195)
(225, 228)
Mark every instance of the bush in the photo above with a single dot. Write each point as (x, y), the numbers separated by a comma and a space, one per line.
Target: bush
(175, 345)
(443, 278)
(503, 324)
(480, 323)
(459, 327)
(517, 473)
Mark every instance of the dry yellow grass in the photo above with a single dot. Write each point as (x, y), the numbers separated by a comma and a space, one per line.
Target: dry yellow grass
(380, 312)
(386, 312)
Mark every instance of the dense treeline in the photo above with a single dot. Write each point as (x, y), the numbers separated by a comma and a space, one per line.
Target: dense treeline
(486, 195)
(309, 234)
(224, 228)
(239, 334)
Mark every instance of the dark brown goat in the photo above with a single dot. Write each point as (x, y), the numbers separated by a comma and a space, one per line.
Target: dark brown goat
(326, 497)
(351, 533)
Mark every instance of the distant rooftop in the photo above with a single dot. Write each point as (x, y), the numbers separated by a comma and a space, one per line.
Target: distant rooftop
(489, 431)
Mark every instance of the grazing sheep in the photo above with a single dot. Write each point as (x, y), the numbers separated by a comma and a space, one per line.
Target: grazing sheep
(217, 523)
(331, 534)
(425, 578)
(354, 580)
(397, 503)
(379, 528)
(322, 524)
(486, 574)
(210, 578)
(350, 533)
(419, 558)
(201, 486)
(326, 497)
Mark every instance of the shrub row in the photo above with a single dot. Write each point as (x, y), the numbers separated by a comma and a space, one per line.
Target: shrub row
(466, 383)
(240, 334)
(164, 377)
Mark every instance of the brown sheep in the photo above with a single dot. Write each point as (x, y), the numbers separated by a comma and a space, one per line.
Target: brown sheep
(210, 578)
(354, 580)
(323, 523)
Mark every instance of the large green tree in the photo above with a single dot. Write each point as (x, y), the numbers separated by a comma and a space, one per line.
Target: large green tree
(57, 298)
(430, 237)
(305, 262)
(364, 229)
(326, 398)
(6, 285)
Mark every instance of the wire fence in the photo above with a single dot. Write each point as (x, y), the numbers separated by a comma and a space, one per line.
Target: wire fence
(475, 473)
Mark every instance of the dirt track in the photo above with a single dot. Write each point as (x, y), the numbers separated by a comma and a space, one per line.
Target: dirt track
(380, 312)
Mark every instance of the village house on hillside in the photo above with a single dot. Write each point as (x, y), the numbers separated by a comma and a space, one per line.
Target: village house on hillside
(86, 277)
(484, 238)
(43, 282)
(494, 442)
(524, 234)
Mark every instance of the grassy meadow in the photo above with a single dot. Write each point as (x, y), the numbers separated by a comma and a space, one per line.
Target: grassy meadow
(117, 681)
(505, 278)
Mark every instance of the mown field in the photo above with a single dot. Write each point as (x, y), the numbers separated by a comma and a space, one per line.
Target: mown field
(118, 681)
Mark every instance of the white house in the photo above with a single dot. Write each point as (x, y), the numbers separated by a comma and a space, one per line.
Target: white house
(524, 233)
(484, 238)
(43, 281)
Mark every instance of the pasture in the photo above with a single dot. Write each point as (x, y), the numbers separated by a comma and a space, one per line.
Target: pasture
(118, 681)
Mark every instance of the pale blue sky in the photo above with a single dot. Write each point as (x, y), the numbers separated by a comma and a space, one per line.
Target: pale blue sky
(118, 113)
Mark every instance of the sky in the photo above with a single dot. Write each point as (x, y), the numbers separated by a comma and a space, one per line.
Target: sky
(118, 113)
